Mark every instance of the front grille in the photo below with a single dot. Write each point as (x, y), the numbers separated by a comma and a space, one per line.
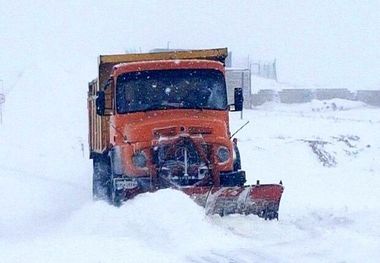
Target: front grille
(182, 162)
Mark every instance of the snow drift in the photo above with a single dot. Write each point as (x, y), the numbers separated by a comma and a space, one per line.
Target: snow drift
(328, 213)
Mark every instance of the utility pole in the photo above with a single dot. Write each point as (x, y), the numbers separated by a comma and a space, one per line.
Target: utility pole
(242, 90)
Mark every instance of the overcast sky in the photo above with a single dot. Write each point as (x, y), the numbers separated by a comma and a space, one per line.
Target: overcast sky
(334, 43)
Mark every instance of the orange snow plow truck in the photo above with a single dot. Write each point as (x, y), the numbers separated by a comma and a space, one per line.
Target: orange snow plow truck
(161, 120)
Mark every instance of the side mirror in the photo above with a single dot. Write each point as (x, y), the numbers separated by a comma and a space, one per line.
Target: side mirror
(100, 103)
(238, 99)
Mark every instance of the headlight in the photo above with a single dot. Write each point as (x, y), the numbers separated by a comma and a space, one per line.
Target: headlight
(223, 154)
(139, 160)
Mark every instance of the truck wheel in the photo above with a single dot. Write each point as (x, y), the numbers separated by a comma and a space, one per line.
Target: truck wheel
(116, 198)
(237, 160)
(115, 195)
(101, 180)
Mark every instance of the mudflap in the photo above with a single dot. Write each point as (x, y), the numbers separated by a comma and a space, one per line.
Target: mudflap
(262, 199)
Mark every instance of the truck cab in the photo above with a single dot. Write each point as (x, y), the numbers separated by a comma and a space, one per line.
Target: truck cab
(162, 122)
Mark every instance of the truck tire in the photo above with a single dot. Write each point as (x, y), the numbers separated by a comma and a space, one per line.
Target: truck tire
(101, 180)
(237, 160)
(116, 197)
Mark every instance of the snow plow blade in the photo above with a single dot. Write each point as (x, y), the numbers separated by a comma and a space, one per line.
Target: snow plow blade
(262, 200)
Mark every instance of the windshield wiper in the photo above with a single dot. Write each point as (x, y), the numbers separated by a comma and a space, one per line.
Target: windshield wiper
(187, 105)
(175, 105)
(159, 106)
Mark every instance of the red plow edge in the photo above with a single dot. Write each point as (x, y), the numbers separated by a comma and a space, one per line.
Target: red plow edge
(262, 200)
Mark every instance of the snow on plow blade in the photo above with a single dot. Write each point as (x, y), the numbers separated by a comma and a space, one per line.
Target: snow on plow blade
(262, 200)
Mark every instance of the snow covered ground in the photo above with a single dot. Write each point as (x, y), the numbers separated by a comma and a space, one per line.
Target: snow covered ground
(327, 159)
(329, 212)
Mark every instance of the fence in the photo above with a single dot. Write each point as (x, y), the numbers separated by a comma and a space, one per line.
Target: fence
(371, 97)
(266, 70)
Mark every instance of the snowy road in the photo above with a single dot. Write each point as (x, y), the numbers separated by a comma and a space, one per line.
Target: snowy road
(328, 214)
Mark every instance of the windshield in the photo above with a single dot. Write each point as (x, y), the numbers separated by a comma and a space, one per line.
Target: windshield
(166, 89)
